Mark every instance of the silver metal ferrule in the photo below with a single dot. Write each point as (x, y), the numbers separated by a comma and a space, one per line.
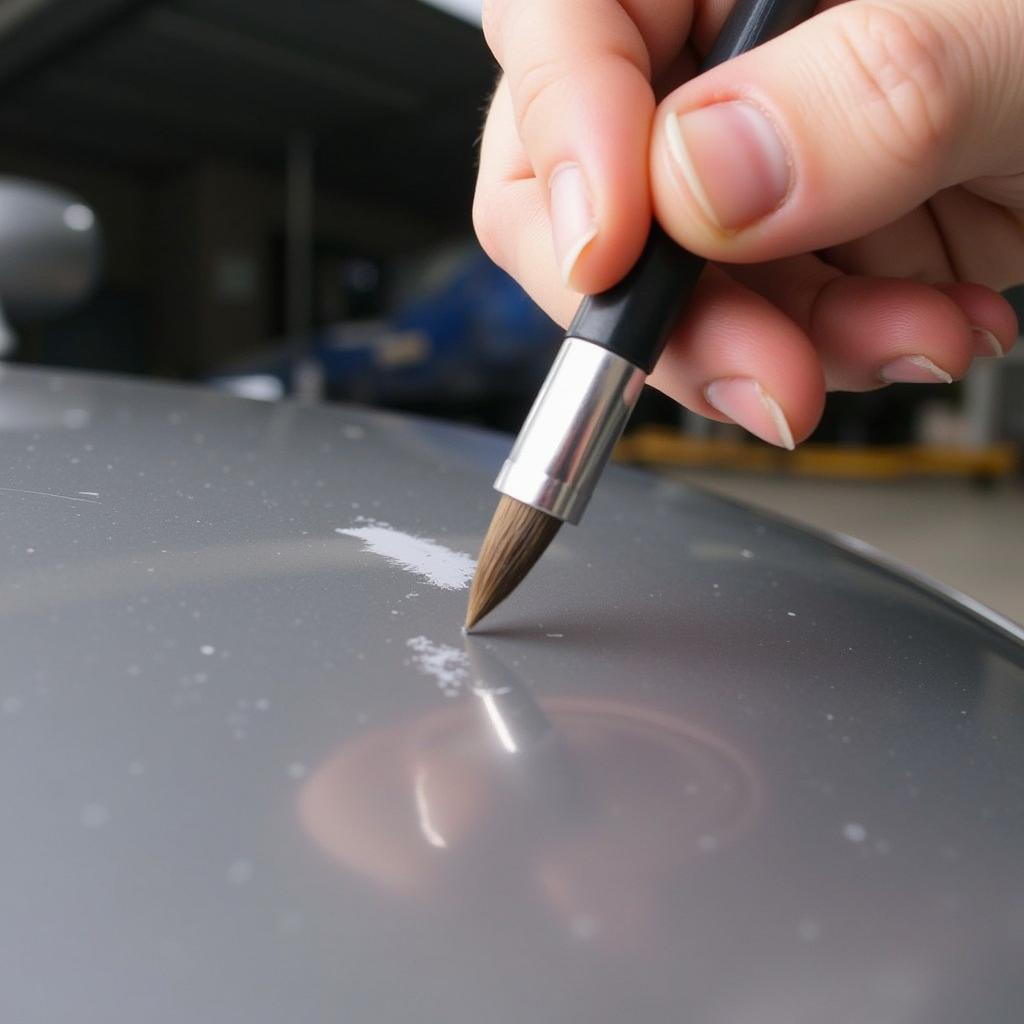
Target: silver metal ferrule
(572, 428)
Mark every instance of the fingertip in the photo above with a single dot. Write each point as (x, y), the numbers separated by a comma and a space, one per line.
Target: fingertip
(873, 331)
(599, 194)
(737, 358)
(992, 319)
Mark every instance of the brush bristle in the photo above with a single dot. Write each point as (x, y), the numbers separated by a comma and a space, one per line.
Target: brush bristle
(517, 537)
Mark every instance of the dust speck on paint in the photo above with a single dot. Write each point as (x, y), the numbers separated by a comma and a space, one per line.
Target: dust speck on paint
(854, 832)
(425, 558)
(208, 650)
(94, 815)
(240, 872)
(446, 665)
(11, 705)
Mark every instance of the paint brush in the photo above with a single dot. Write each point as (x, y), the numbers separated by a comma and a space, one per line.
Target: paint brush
(610, 348)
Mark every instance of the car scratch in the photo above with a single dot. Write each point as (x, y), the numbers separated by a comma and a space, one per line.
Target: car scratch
(47, 494)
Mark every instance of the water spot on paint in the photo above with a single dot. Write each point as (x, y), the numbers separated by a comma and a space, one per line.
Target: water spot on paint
(290, 922)
(296, 770)
(431, 562)
(94, 815)
(584, 927)
(707, 844)
(11, 705)
(353, 433)
(746, 553)
(854, 832)
(808, 930)
(262, 704)
(208, 650)
(136, 768)
(240, 872)
(75, 419)
(446, 665)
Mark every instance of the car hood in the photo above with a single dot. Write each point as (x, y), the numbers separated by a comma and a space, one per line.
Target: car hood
(704, 766)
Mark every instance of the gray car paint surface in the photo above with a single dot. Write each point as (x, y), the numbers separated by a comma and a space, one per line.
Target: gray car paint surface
(704, 767)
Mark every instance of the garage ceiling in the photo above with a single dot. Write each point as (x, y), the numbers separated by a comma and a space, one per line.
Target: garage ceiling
(391, 90)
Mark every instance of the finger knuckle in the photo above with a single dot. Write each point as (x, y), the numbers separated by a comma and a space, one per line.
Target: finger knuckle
(535, 86)
(486, 225)
(491, 12)
(900, 67)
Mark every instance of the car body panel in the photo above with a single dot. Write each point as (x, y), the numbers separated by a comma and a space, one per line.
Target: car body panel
(703, 767)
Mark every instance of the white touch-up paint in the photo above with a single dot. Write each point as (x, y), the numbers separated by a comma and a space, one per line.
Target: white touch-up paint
(431, 562)
(446, 665)
(854, 832)
(11, 705)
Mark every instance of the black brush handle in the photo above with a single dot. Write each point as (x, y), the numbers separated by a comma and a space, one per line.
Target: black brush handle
(634, 318)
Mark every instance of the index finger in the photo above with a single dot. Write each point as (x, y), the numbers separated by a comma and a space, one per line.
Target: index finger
(578, 75)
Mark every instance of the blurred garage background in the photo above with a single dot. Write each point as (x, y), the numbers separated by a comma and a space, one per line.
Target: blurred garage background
(281, 195)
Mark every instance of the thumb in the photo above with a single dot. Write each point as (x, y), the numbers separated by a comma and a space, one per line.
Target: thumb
(840, 126)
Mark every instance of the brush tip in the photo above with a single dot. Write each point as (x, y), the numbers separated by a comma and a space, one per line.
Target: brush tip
(517, 537)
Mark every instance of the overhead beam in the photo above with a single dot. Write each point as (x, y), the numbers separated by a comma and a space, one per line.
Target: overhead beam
(37, 33)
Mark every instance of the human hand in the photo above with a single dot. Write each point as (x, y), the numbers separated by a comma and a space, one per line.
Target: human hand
(858, 183)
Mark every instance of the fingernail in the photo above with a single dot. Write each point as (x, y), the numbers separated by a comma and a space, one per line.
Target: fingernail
(914, 370)
(573, 225)
(732, 160)
(745, 402)
(986, 343)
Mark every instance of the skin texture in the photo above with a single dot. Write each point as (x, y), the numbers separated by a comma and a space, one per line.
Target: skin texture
(858, 183)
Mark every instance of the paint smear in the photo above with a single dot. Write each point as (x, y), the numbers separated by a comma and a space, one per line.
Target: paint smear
(448, 666)
(431, 562)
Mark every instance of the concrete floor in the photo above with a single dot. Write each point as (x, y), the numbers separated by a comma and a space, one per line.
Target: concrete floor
(970, 539)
